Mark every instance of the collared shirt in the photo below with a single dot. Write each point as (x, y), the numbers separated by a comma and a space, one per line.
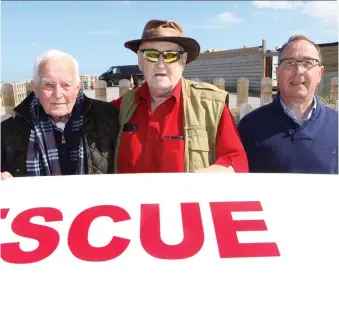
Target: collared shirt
(60, 125)
(291, 114)
(155, 144)
(63, 140)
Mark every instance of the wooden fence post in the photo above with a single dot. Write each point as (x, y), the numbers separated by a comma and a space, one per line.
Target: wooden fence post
(100, 90)
(334, 92)
(266, 91)
(219, 82)
(242, 97)
(242, 90)
(195, 79)
(124, 86)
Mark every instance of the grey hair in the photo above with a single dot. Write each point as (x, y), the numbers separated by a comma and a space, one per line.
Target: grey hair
(53, 53)
(295, 38)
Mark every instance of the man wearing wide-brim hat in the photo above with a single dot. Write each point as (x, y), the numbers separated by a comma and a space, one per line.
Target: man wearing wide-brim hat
(170, 124)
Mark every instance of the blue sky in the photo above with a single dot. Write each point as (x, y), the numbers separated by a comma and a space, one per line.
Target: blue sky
(94, 31)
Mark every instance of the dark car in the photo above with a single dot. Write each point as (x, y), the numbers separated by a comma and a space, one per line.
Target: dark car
(116, 73)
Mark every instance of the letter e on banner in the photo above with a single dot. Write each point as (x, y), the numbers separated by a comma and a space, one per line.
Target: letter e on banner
(226, 231)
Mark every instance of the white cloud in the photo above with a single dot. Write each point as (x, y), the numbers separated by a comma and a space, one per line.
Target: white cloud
(101, 32)
(327, 11)
(34, 45)
(227, 17)
(273, 4)
(217, 22)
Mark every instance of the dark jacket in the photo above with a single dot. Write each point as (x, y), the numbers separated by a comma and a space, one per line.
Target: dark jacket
(100, 132)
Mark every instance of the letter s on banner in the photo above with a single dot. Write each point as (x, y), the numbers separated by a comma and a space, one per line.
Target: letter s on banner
(47, 237)
(78, 234)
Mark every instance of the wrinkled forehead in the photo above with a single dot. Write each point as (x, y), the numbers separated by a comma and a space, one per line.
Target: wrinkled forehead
(61, 68)
(300, 49)
(161, 46)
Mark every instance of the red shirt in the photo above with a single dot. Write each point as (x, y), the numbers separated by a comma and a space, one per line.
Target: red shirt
(146, 148)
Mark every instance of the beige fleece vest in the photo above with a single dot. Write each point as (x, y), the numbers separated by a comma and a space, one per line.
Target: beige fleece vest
(203, 105)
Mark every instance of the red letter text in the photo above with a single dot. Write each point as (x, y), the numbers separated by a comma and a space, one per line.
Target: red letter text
(78, 234)
(150, 232)
(47, 237)
(226, 228)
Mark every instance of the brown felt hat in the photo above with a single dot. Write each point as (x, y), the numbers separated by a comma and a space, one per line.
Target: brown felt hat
(169, 31)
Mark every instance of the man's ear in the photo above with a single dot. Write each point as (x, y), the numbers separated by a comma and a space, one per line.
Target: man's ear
(184, 58)
(34, 87)
(321, 72)
(140, 61)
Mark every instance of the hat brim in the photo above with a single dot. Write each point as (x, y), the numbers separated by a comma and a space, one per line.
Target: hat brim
(191, 46)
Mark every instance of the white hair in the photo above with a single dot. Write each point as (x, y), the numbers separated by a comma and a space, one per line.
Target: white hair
(53, 53)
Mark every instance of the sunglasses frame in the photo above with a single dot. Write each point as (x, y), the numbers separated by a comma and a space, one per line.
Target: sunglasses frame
(161, 53)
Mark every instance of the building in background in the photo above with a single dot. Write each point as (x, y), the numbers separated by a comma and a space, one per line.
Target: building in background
(88, 81)
(329, 52)
(13, 93)
(254, 63)
(229, 64)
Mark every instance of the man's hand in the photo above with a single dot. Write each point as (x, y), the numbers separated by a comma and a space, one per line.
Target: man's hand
(214, 168)
(6, 175)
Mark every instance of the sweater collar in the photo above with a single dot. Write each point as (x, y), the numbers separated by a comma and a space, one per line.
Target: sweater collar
(281, 112)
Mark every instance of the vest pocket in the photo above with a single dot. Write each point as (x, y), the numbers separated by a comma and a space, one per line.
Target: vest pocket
(198, 148)
(173, 151)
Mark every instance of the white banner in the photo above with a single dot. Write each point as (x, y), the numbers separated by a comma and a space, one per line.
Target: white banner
(170, 241)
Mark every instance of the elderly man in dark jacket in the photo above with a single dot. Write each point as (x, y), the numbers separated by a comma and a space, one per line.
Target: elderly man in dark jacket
(57, 130)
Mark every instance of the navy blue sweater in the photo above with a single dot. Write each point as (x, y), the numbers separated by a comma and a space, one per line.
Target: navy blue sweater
(274, 143)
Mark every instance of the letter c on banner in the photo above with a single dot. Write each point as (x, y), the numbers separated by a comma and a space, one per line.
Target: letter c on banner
(78, 234)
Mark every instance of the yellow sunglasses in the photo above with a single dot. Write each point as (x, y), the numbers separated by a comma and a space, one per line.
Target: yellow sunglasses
(169, 56)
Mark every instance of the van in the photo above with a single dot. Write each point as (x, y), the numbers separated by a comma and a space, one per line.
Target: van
(114, 74)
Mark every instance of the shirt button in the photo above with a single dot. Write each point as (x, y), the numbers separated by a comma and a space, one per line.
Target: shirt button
(291, 131)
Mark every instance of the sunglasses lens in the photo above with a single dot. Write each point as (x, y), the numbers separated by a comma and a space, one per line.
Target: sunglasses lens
(171, 56)
(151, 55)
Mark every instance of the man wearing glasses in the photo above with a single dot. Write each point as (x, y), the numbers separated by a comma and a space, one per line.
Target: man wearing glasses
(170, 124)
(295, 133)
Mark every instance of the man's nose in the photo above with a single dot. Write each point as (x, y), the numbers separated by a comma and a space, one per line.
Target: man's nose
(58, 91)
(298, 68)
(161, 62)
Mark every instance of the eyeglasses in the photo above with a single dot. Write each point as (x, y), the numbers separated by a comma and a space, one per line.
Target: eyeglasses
(307, 63)
(169, 56)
